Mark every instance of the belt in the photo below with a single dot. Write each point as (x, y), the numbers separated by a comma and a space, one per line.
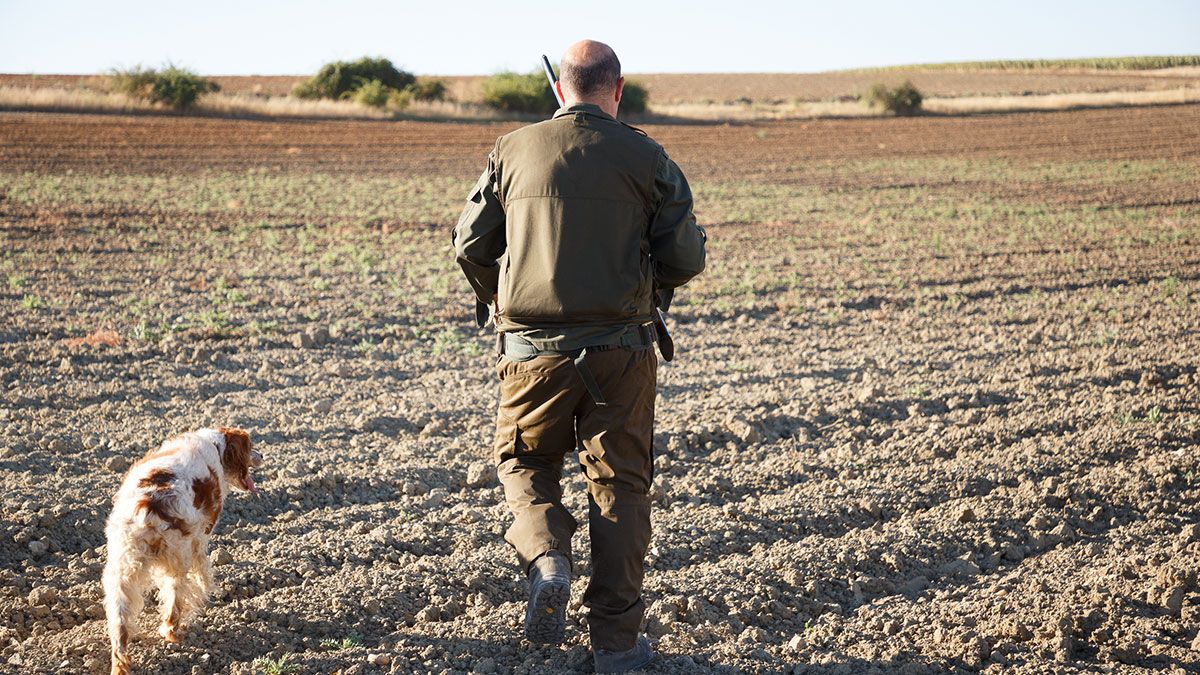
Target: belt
(518, 349)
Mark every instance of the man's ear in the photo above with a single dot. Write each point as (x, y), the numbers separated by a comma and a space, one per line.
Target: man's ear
(620, 88)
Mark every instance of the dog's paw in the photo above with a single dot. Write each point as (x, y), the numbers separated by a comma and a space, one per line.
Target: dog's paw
(168, 633)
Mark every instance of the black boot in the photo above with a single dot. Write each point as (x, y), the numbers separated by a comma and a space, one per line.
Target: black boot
(549, 594)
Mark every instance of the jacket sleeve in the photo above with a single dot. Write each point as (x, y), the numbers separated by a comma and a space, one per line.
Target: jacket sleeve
(676, 241)
(479, 237)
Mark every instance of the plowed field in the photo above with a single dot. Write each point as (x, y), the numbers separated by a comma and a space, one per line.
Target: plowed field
(936, 406)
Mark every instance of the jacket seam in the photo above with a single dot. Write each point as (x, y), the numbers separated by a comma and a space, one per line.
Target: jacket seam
(594, 199)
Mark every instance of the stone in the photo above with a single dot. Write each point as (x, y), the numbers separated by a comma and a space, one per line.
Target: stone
(960, 568)
(659, 488)
(302, 341)
(915, 585)
(480, 474)
(660, 617)
(868, 393)
(1173, 600)
(797, 643)
(221, 556)
(677, 444)
(379, 659)
(435, 427)
(117, 464)
(743, 430)
(322, 407)
(484, 665)
(1062, 531)
(42, 596)
(1064, 640)
(38, 548)
(966, 515)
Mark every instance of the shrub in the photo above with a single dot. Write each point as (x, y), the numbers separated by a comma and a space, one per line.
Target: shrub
(400, 98)
(172, 86)
(372, 93)
(634, 97)
(902, 100)
(428, 90)
(180, 88)
(519, 92)
(134, 82)
(335, 80)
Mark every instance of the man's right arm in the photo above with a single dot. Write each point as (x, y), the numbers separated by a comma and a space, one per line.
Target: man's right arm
(479, 237)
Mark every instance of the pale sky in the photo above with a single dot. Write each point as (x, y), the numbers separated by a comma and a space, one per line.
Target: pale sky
(223, 37)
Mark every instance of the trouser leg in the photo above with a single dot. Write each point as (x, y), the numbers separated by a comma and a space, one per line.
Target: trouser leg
(534, 430)
(616, 455)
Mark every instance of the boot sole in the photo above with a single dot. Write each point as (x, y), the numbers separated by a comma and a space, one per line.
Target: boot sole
(546, 615)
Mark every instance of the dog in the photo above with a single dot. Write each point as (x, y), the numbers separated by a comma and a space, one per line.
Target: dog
(158, 531)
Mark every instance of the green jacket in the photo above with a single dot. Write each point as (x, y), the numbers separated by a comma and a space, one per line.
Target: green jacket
(576, 224)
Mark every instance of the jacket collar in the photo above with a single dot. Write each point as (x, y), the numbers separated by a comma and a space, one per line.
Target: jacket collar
(589, 108)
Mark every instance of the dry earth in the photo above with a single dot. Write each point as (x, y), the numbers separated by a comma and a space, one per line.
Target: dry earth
(936, 407)
(673, 88)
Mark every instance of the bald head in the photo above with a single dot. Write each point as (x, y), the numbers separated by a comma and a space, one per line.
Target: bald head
(591, 73)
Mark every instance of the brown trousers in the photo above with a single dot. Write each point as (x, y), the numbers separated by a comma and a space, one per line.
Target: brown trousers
(546, 412)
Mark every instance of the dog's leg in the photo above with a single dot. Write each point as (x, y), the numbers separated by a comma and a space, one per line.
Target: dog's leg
(202, 570)
(183, 590)
(122, 603)
(169, 607)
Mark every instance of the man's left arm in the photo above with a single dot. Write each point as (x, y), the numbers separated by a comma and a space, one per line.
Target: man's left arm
(676, 241)
(479, 237)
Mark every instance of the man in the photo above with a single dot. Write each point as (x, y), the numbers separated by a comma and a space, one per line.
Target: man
(579, 226)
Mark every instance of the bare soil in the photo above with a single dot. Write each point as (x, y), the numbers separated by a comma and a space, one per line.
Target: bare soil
(674, 88)
(936, 407)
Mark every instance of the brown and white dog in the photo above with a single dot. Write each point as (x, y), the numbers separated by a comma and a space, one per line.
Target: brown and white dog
(158, 531)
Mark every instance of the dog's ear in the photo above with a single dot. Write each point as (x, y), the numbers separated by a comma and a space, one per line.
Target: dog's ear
(236, 458)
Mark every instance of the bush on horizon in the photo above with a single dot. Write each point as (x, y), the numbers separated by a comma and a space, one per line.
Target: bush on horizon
(634, 97)
(904, 99)
(373, 82)
(519, 92)
(338, 79)
(428, 90)
(175, 87)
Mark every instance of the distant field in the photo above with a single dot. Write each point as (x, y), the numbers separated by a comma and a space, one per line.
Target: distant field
(673, 88)
(1102, 63)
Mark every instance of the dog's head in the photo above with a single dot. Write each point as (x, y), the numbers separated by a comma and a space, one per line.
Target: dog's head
(238, 458)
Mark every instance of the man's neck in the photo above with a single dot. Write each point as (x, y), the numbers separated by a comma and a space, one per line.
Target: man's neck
(603, 105)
